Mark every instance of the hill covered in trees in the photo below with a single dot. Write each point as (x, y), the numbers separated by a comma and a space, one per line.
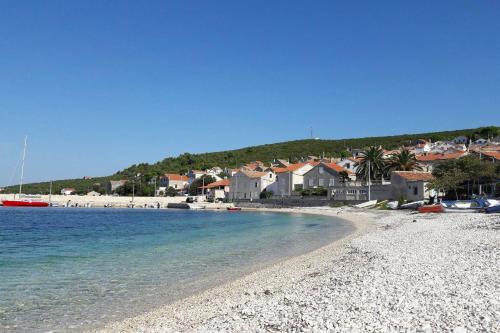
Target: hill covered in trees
(291, 150)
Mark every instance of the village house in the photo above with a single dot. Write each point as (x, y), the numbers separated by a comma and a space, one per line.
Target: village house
(324, 175)
(355, 152)
(493, 156)
(113, 185)
(67, 191)
(411, 185)
(280, 163)
(348, 164)
(481, 141)
(218, 190)
(428, 161)
(461, 140)
(177, 182)
(422, 148)
(247, 184)
(291, 178)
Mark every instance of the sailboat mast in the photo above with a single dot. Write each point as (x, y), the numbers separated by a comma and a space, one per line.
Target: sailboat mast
(22, 166)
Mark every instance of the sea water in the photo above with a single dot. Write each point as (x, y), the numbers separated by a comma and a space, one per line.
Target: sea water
(64, 269)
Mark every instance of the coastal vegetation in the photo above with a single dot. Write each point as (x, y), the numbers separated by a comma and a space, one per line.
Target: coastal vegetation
(291, 150)
(465, 176)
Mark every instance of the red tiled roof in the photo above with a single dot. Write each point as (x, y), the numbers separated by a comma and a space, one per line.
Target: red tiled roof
(335, 167)
(173, 176)
(254, 174)
(439, 157)
(414, 175)
(494, 154)
(224, 182)
(291, 167)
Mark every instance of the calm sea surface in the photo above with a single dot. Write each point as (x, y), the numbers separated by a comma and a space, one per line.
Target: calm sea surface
(65, 269)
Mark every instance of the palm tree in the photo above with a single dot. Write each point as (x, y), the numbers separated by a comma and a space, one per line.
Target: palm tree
(403, 161)
(374, 157)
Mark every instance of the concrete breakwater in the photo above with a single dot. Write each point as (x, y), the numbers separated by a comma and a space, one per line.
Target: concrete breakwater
(110, 201)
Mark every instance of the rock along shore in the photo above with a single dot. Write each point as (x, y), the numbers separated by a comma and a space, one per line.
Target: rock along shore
(399, 272)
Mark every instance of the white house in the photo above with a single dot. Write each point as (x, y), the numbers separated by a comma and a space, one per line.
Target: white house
(68, 191)
(290, 178)
(217, 190)
(422, 148)
(481, 141)
(460, 139)
(247, 184)
(348, 164)
(177, 182)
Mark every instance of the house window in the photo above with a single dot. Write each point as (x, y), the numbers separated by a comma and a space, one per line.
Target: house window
(351, 191)
(245, 195)
(332, 182)
(270, 175)
(348, 165)
(256, 184)
(175, 185)
(415, 190)
(362, 191)
(311, 182)
(321, 169)
(321, 182)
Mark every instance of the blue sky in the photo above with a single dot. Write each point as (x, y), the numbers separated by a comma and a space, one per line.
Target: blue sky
(100, 85)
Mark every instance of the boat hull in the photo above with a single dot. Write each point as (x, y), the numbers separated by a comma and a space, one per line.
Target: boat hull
(431, 209)
(493, 209)
(22, 203)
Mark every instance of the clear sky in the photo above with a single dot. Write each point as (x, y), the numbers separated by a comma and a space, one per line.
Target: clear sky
(100, 85)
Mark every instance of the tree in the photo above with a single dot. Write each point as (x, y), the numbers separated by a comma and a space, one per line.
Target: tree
(224, 175)
(449, 181)
(344, 176)
(373, 157)
(205, 179)
(170, 192)
(403, 161)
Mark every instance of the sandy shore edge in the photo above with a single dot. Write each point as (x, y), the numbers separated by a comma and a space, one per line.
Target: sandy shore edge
(194, 310)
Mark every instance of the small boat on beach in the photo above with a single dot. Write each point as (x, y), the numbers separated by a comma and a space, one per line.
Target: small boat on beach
(431, 209)
(464, 206)
(492, 209)
(234, 208)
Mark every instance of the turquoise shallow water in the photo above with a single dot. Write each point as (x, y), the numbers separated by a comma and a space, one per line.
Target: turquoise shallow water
(70, 270)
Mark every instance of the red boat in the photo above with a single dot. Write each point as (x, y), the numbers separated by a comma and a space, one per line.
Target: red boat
(431, 209)
(233, 208)
(24, 203)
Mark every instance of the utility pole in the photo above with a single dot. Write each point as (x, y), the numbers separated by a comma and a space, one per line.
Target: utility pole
(155, 186)
(133, 190)
(50, 192)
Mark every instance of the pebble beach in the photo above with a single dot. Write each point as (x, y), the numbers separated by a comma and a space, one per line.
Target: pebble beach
(399, 272)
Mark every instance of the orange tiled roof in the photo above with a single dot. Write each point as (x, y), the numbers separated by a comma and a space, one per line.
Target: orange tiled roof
(224, 182)
(336, 167)
(439, 156)
(174, 176)
(254, 174)
(291, 167)
(494, 154)
(414, 175)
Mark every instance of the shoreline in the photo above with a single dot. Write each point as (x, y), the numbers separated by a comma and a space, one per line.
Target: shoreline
(190, 306)
(397, 272)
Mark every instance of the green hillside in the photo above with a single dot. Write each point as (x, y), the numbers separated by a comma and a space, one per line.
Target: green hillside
(266, 153)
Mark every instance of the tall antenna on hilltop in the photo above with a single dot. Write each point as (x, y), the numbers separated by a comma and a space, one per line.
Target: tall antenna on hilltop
(311, 132)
